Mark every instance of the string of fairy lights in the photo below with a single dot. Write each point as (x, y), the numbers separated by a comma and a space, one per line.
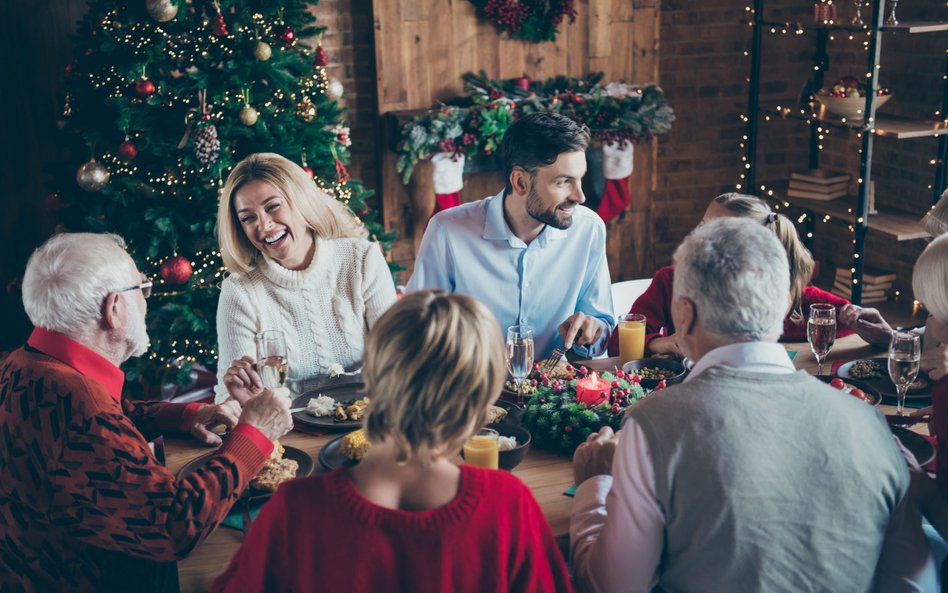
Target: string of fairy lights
(184, 52)
(808, 115)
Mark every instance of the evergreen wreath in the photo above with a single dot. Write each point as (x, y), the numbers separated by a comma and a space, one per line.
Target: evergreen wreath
(559, 423)
(530, 20)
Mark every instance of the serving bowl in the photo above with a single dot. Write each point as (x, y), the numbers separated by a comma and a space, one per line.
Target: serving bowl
(849, 107)
(634, 366)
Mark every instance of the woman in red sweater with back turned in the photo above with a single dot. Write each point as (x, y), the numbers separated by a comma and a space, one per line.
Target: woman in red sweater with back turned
(655, 302)
(406, 518)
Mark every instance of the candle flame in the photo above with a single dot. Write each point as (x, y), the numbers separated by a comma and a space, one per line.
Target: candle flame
(594, 377)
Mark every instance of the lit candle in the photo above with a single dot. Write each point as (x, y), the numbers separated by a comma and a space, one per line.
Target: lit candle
(592, 390)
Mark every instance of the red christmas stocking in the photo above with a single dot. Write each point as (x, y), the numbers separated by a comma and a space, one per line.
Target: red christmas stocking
(448, 178)
(616, 168)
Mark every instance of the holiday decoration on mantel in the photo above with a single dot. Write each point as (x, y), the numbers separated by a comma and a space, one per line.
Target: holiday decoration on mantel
(618, 115)
(170, 95)
(535, 21)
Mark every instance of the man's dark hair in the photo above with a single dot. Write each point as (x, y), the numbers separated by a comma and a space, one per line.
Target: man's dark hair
(537, 140)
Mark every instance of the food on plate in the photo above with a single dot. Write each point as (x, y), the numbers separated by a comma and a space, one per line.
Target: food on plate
(535, 378)
(506, 443)
(496, 414)
(866, 369)
(350, 410)
(354, 445)
(850, 389)
(276, 470)
(657, 373)
(323, 405)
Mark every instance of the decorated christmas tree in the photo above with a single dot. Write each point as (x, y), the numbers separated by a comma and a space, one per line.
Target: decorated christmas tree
(163, 99)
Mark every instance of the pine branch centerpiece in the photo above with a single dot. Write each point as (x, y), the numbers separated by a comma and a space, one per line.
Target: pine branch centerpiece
(561, 414)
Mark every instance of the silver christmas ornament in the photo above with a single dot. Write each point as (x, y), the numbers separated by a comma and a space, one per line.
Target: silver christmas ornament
(92, 176)
(161, 10)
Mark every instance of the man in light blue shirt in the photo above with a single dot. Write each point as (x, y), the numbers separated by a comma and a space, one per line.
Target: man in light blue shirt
(531, 253)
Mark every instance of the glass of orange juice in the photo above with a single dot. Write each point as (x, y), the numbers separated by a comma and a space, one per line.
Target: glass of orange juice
(631, 337)
(481, 450)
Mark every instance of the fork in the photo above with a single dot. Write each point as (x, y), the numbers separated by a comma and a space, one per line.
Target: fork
(552, 360)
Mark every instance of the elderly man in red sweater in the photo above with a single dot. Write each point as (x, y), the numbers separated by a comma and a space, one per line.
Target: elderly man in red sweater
(84, 504)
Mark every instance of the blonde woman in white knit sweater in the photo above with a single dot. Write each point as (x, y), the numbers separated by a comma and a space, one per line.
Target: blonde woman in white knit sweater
(299, 262)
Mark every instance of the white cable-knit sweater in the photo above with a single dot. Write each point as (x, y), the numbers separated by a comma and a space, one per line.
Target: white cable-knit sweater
(325, 311)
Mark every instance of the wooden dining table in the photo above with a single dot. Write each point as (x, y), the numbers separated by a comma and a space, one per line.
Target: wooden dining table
(548, 475)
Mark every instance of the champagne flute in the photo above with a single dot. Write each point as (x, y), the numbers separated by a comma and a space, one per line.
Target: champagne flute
(519, 355)
(271, 358)
(905, 350)
(821, 332)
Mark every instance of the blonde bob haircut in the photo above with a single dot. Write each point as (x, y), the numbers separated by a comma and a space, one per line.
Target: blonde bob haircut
(798, 256)
(327, 217)
(434, 362)
(930, 278)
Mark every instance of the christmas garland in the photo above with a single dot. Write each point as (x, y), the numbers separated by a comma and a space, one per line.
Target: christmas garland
(558, 422)
(530, 20)
(615, 113)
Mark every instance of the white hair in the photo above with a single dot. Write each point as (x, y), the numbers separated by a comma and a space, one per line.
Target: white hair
(68, 277)
(736, 273)
(930, 278)
(936, 219)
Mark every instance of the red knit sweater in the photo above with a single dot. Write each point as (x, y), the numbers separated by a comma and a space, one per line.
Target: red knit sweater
(320, 534)
(84, 505)
(655, 304)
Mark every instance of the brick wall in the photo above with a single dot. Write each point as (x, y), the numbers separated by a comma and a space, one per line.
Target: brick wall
(703, 70)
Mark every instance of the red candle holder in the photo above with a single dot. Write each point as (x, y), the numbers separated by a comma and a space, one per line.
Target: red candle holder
(592, 390)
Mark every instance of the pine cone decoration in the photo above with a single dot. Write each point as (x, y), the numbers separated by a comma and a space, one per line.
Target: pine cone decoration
(207, 148)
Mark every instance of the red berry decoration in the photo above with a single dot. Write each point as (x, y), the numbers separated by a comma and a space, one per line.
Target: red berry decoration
(144, 88)
(583, 371)
(536, 366)
(620, 374)
(219, 28)
(287, 36)
(568, 428)
(636, 379)
(569, 367)
(661, 385)
(127, 150)
(321, 58)
(615, 384)
(176, 270)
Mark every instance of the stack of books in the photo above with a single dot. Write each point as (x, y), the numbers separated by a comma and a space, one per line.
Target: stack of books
(875, 284)
(818, 184)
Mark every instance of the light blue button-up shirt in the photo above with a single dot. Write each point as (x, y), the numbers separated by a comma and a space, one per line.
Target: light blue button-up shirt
(471, 250)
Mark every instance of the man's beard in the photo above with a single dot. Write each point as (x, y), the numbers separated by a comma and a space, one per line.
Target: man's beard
(548, 217)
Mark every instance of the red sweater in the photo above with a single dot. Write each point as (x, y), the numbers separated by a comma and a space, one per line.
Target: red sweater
(655, 304)
(320, 534)
(84, 505)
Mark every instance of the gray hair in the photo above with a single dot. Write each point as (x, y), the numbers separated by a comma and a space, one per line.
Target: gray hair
(930, 278)
(68, 277)
(736, 273)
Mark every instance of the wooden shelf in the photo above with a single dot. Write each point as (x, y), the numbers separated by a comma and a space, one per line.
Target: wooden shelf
(898, 225)
(886, 125)
(918, 27)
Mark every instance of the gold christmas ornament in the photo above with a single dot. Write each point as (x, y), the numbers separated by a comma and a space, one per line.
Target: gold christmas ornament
(92, 176)
(161, 10)
(262, 51)
(306, 110)
(248, 115)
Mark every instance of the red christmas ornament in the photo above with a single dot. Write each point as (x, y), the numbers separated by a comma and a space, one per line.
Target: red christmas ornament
(341, 173)
(176, 270)
(145, 88)
(219, 28)
(127, 150)
(309, 171)
(321, 58)
(522, 83)
(287, 36)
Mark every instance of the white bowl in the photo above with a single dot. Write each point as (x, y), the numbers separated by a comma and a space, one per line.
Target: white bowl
(849, 107)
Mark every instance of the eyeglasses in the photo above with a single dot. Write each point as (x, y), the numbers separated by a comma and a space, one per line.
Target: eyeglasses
(144, 286)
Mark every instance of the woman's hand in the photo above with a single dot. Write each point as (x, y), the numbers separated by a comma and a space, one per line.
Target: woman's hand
(242, 381)
(935, 362)
(867, 323)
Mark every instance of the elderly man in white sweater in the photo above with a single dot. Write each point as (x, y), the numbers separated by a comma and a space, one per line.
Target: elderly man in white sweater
(750, 476)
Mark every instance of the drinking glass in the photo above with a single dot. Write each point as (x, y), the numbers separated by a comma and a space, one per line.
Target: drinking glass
(821, 332)
(482, 449)
(905, 350)
(271, 358)
(631, 337)
(519, 355)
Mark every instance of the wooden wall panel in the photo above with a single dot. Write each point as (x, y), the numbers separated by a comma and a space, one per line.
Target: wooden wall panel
(423, 47)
